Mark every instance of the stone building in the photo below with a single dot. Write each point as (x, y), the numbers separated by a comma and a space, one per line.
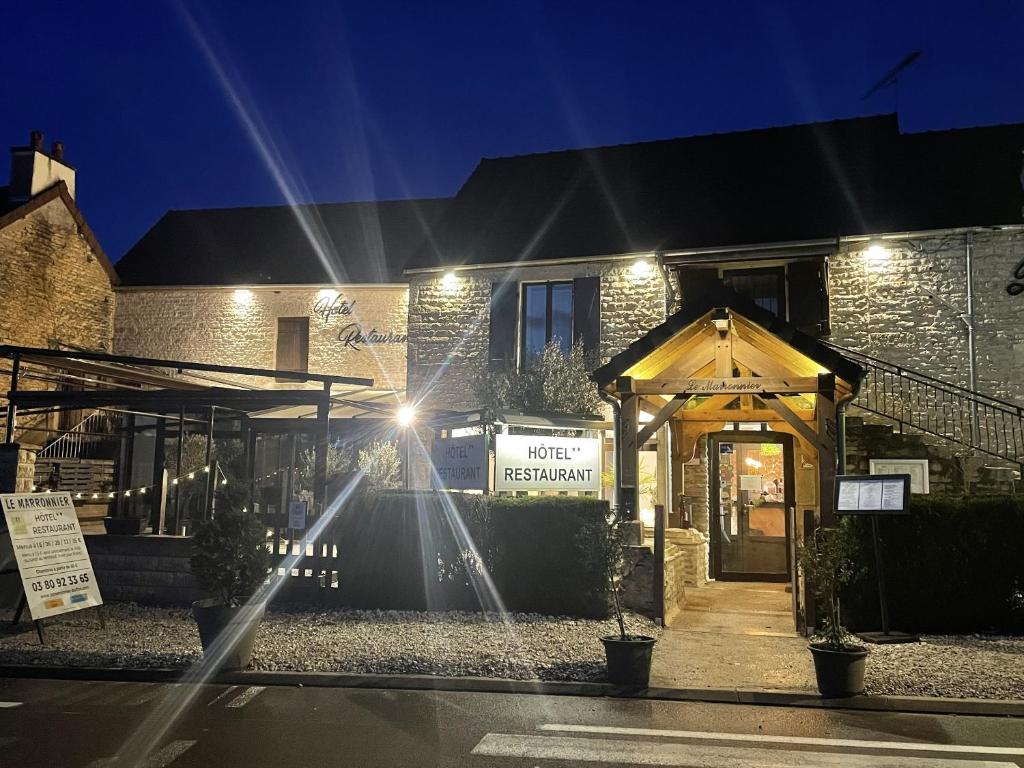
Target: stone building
(56, 283)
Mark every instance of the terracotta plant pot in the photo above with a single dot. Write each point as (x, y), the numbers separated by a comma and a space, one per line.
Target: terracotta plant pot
(629, 659)
(228, 634)
(840, 673)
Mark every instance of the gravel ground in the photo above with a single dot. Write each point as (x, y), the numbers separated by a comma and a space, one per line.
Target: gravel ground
(958, 666)
(528, 646)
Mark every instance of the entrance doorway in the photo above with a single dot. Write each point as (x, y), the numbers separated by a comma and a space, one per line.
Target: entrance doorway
(751, 493)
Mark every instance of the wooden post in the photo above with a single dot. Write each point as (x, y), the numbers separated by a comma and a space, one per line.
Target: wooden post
(211, 479)
(160, 503)
(825, 416)
(158, 500)
(178, 470)
(659, 562)
(629, 460)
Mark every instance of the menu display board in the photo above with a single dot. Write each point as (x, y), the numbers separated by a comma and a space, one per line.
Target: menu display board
(54, 564)
(872, 494)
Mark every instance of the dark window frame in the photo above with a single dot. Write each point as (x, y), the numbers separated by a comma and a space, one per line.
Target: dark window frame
(548, 315)
(782, 288)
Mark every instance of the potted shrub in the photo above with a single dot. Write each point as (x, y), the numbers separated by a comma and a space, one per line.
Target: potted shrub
(827, 565)
(628, 656)
(229, 562)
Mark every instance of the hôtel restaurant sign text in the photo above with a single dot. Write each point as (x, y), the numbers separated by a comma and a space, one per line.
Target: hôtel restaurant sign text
(541, 463)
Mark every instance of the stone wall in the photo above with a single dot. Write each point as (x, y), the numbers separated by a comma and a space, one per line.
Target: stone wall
(54, 291)
(905, 309)
(152, 570)
(17, 468)
(238, 326)
(449, 321)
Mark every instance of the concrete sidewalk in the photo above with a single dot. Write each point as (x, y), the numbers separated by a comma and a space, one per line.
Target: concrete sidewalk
(734, 635)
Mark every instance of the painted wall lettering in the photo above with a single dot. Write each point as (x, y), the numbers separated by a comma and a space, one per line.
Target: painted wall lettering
(1016, 286)
(353, 336)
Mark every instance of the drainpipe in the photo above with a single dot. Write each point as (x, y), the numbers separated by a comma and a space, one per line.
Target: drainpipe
(617, 434)
(968, 320)
(670, 290)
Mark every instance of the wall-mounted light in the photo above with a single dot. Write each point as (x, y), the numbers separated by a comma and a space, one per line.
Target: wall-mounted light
(243, 297)
(640, 268)
(720, 319)
(405, 416)
(450, 281)
(876, 256)
(327, 294)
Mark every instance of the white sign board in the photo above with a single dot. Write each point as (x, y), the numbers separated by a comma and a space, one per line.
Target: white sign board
(297, 515)
(54, 564)
(750, 483)
(540, 463)
(872, 494)
(460, 463)
(916, 468)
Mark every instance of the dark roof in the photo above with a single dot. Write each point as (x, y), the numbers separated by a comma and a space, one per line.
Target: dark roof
(362, 243)
(720, 295)
(802, 182)
(11, 212)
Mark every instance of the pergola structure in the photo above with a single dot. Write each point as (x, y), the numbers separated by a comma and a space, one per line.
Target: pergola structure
(173, 392)
(725, 361)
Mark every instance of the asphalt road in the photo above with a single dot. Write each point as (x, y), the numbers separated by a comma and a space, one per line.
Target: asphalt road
(69, 724)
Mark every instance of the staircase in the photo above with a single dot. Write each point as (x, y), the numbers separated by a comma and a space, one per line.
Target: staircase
(927, 405)
(75, 460)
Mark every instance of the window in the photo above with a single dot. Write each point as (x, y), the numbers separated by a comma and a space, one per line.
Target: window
(526, 316)
(765, 286)
(292, 344)
(546, 315)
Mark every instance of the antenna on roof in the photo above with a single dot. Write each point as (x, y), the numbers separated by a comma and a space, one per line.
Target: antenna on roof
(893, 75)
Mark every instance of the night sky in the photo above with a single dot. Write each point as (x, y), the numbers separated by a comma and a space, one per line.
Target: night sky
(166, 105)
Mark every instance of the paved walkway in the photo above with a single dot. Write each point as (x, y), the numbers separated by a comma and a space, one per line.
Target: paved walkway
(734, 635)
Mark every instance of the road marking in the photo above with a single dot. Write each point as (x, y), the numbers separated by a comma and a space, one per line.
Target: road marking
(246, 696)
(10, 704)
(161, 759)
(697, 755)
(802, 740)
(222, 694)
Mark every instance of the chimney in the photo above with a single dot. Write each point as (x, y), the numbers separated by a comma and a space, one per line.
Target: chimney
(33, 171)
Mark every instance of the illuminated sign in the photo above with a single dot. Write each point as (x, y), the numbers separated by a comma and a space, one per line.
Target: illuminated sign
(541, 463)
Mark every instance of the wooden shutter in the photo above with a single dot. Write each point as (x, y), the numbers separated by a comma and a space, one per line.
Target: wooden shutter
(586, 315)
(501, 348)
(292, 344)
(808, 292)
(696, 281)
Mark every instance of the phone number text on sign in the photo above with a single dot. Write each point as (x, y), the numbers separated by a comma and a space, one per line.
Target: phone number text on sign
(54, 564)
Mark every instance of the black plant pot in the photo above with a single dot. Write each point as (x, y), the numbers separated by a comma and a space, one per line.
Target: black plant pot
(227, 634)
(839, 673)
(124, 526)
(629, 659)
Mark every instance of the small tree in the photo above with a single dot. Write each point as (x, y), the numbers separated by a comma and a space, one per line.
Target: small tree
(552, 381)
(827, 564)
(230, 556)
(381, 465)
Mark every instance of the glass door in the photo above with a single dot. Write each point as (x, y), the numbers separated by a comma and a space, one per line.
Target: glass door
(751, 479)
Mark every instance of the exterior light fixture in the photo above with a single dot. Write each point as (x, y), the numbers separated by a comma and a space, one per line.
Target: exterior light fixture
(752, 462)
(640, 268)
(142, 491)
(191, 475)
(224, 481)
(243, 297)
(405, 416)
(78, 495)
(327, 294)
(720, 319)
(450, 280)
(206, 468)
(877, 255)
(174, 481)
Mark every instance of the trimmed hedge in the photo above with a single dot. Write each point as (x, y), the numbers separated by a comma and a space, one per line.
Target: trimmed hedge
(951, 565)
(424, 550)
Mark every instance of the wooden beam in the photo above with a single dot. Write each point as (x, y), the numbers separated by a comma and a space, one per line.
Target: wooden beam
(723, 355)
(825, 412)
(713, 403)
(723, 386)
(662, 416)
(793, 420)
(734, 414)
(629, 460)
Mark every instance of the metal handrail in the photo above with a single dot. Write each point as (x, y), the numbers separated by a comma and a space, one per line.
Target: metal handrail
(924, 403)
(72, 442)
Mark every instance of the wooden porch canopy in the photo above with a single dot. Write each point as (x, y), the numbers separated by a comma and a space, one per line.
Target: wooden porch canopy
(724, 360)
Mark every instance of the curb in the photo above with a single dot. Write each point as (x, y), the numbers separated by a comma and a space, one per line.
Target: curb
(761, 697)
